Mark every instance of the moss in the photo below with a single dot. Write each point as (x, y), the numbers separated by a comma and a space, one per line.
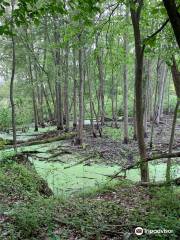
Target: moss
(17, 179)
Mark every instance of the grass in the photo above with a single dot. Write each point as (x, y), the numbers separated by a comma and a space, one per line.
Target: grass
(117, 133)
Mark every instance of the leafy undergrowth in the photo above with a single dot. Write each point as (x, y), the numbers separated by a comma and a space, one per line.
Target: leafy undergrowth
(112, 212)
(117, 133)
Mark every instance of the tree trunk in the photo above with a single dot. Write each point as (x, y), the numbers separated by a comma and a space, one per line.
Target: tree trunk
(112, 97)
(58, 88)
(174, 17)
(33, 97)
(168, 170)
(81, 98)
(162, 70)
(139, 52)
(41, 115)
(176, 80)
(89, 79)
(12, 91)
(101, 82)
(66, 98)
(125, 93)
(74, 91)
(154, 115)
(176, 77)
(150, 92)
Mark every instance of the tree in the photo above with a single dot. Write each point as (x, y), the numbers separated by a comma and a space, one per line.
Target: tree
(12, 79)
(81, 94)
(176, 79)
(125, 75)
(58, 83)
(174, 17)
(139, 52)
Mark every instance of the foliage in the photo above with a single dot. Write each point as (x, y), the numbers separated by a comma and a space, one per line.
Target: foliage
(30, 218)
(162, 212)
(5, 118)
(89, 215)
(16, 179)
(116, 133)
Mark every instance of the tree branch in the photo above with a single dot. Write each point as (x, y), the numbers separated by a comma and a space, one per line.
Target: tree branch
(148, 159)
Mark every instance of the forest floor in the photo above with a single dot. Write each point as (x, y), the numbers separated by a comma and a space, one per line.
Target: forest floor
(29, 210)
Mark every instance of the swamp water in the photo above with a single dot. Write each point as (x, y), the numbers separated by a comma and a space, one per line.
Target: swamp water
(82, 178)
(65, 179)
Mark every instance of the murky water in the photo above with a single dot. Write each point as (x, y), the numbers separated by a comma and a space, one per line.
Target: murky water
(63, 180)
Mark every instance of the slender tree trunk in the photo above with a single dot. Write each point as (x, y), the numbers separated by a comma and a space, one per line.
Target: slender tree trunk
(176, 80)
(154, 115)
(116, 103)
(145, 96)
(33, 97)
(74, 91)
(149, 91)
(134, 118)
(112, 97)
(47, 103)
(44, 60)
(126, 137)
(168, 169)
(58, 88)
(163, 92)
(41, 106)
(90, 99)
(139, 52)
(176, 77)
(66, 100)
(12, 92)
(125, 93)
(161, 81)
(81, 99)
(101, 82)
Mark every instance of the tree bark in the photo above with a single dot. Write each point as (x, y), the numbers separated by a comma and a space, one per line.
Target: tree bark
(58, 88)
(101, 81)
(139, 52)
(174, 17)
(162, 74)
(81, 98)
(13, 109)
(90, 100)
(125, 93)
(66, 98)
(12, 92)
(74, 90)
(33, 97)
(176, 79)
(168, 170)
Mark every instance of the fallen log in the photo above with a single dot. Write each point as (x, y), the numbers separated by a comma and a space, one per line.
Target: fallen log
(148, 159)
(64, 136)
